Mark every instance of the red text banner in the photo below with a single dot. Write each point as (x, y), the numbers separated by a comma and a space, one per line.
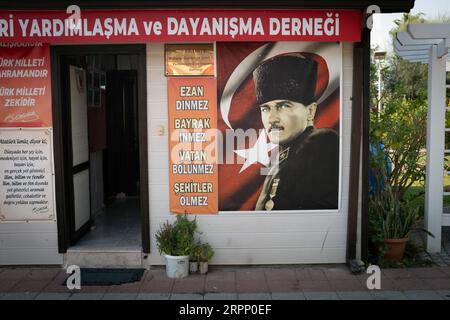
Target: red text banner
(97, 26)
(192, 145)
(25, 90)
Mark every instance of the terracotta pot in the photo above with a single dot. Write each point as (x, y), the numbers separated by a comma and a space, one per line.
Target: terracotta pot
(395, 248)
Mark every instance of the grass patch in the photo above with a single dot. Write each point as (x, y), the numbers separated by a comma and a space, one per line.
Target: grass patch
(416, 194)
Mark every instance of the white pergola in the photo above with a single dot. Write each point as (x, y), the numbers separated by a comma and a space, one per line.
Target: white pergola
(429, 44)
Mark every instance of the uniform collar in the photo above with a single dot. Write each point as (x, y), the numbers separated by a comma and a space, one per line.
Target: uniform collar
(298, 140)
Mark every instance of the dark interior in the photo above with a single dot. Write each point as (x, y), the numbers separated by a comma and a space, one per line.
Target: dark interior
(113, 134)
(121, 157)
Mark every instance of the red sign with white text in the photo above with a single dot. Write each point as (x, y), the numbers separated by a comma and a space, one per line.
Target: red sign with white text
(192, 143)
(138, 26)
(25, 90)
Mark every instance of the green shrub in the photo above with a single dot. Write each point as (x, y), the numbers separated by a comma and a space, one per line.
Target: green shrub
(195, 253)
(390, 218)
(177, 239)
(201, 252)
(206, 252)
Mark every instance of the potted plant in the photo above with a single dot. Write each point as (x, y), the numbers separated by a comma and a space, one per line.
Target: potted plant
(176, 240)
(194, 258)
(391, 215)
(205, 254)
(391, 221)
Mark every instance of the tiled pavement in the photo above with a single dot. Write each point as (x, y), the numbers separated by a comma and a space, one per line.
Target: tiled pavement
(442, 258)
(232, 283)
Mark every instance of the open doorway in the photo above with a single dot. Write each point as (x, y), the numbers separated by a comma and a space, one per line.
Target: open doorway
(101, 162)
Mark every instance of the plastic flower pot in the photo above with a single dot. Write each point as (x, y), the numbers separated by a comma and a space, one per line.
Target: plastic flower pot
(177, 266)
(203, 266)
(193, 266)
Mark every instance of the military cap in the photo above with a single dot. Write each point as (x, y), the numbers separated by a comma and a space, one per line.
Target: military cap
(286, 77)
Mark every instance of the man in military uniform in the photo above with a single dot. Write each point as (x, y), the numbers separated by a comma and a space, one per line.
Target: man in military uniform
(306, 175)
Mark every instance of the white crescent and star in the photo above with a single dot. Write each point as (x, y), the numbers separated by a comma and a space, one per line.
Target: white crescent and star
(258, 153)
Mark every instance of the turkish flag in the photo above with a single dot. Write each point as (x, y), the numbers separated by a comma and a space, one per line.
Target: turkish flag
(239, 190)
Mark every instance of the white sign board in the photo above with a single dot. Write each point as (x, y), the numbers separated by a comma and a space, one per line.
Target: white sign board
(26, 188)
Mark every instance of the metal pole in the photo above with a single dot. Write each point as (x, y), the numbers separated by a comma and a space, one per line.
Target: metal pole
(379, 89)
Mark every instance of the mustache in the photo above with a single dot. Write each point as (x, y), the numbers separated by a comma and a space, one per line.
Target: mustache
(276, 127)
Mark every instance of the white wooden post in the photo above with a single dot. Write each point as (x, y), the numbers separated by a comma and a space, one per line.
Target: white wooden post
(435, 150)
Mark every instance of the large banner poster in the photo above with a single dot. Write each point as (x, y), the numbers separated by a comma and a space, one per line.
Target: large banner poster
(25, 90)
(192, 145)
(279, 116)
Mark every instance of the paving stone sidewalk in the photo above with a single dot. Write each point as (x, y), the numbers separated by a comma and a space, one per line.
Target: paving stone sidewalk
(236, 283)
(443, 258)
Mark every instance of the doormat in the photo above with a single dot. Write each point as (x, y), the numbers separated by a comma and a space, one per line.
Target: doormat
(108, 276)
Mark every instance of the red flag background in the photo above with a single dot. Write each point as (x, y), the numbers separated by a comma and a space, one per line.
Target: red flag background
(240, 191)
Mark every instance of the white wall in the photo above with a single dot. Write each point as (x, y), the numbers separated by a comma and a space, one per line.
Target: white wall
(248, 237)
(29, 243)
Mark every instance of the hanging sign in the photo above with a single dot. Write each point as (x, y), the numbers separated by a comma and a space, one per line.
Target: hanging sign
(128, 26)
(191, 59)
(25, 90)
(192, 145)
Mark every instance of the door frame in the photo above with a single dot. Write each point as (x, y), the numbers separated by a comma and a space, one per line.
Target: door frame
(74, 234)
(60, 146)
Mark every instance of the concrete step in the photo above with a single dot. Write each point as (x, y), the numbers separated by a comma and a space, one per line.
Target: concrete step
(89, 258)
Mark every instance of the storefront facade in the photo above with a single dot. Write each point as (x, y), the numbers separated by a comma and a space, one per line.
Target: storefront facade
(111, 105)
